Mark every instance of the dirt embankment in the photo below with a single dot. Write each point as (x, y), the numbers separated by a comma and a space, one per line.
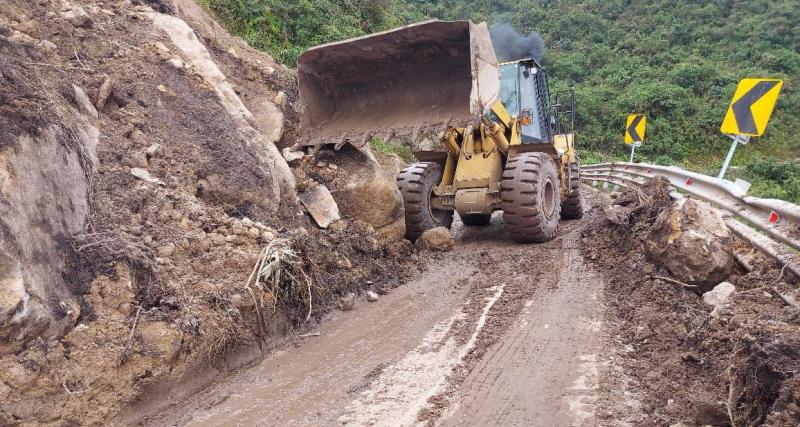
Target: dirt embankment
(139, 185)
(683, 360)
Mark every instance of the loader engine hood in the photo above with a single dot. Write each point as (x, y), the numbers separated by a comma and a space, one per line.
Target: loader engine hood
(408, 83)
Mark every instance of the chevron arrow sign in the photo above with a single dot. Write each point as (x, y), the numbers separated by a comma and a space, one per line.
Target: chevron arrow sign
(634, 129)
(751, 107)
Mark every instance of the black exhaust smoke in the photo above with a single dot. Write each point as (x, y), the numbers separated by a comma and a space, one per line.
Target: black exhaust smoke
(509, 45)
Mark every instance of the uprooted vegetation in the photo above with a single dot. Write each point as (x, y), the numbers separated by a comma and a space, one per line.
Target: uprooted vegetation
(684, 361)
(140, 186)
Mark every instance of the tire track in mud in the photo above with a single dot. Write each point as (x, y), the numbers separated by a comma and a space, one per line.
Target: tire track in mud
(538, 364)
(493, 332)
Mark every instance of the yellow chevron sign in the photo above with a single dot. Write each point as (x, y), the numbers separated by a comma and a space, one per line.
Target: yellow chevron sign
(634, 129)
(751, 107)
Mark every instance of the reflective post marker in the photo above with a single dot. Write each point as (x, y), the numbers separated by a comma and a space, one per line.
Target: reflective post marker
(737, 139)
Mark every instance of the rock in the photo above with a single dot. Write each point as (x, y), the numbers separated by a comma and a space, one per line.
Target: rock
(137, 136)
(266, 189)
(161, 48)
(153, 149)
(618, 215)
(279, 98)
(162, 88)
(216, 239)
(83, 101)
(346, 302)
(103, 93)
(166, 251)
(320, 205)
(720, 296)
(437, 239)
(269, 119)
(254, 232)
(17, 375)
(321, 164)
(78, 17)
(692, 242)
(175, 63)
(14, 294)
(339, 226)
(161, 338)
(48, 45)
(372, 296)
(291, 156)
(247, 222)
(368, 193)
(267, 236)
(145, 176)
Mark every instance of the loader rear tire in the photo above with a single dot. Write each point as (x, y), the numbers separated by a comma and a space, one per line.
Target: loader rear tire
(476, 219)
(530, 193)
(571, 207)
(417, 183)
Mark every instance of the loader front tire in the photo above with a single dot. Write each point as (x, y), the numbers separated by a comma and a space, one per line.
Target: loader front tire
(416, 183)
(571, 207)
(530, 193)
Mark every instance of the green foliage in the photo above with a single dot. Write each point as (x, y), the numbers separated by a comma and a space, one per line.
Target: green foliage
(773, 179)
(403, 151)
(287, 28)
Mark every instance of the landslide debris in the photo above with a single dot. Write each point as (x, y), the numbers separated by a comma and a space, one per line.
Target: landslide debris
(692, 242)
(139, 187)
(733, 362)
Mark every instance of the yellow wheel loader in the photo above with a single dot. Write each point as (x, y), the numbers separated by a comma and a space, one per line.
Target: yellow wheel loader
(487, 136)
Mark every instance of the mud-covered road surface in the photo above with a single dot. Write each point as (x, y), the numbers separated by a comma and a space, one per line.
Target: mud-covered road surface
(491, 333)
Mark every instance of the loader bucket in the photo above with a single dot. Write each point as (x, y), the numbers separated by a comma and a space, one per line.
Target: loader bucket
(408, 83)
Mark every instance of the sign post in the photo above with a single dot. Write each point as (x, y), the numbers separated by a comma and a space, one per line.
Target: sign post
(749, 113)
(634, 131)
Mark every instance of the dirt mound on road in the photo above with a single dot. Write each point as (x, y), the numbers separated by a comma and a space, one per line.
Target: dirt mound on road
(680, 362)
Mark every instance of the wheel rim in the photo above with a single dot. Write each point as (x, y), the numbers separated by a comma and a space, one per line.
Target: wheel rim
(549, 198)
(438, 215)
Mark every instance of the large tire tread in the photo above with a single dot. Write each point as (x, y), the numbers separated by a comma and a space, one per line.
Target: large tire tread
(416, 183)
(522, 197)
(571, 207)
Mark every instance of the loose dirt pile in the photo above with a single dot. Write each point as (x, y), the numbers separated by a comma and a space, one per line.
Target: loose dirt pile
(685, 361)
(138, 190)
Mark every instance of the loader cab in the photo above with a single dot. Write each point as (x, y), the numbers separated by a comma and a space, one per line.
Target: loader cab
(523, 91)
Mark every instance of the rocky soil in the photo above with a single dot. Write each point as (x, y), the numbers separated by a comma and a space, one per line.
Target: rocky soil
(728, 357)
(140, 184)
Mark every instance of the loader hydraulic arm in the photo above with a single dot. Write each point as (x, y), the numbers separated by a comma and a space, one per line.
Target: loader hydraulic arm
(506, 132)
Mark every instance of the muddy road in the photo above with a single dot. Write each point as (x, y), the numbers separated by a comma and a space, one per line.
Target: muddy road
(492, 332)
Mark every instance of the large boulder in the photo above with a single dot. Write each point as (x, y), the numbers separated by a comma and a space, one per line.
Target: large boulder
(692, 242)
(436, 239)
(369, 193)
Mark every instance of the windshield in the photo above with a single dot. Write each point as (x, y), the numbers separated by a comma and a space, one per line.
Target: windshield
(509, 88)
(518, 92)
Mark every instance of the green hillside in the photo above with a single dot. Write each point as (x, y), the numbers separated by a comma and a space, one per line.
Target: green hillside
(677, 61)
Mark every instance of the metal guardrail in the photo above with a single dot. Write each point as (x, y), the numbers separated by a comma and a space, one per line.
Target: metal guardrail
(778, 219)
